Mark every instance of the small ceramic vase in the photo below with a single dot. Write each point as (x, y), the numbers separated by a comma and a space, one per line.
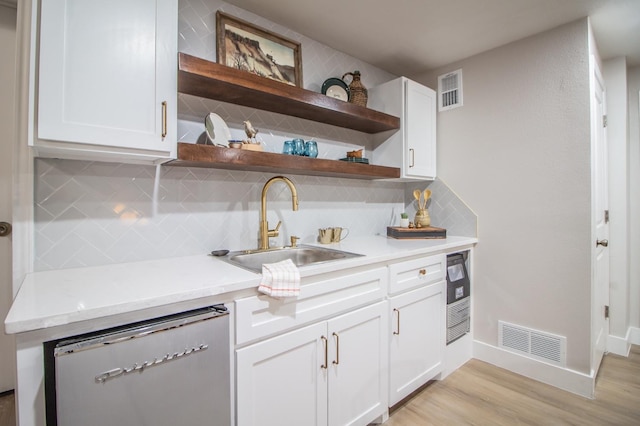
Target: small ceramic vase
(404, 223)
(422, 218)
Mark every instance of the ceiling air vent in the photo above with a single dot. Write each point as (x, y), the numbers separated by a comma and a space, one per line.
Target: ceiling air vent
(450, 90)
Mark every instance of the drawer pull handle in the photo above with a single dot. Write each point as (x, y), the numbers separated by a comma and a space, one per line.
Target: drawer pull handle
(422, 272)
(397, 332)
(164, 119)
(337, 360)
(326, 353)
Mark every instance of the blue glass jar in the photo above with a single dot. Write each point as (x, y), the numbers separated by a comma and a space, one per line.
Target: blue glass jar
(311, 149)
(299, 147)
(289, 148)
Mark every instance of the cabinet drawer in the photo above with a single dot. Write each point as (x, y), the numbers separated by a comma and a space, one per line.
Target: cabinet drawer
(415, 273)
(261, 316)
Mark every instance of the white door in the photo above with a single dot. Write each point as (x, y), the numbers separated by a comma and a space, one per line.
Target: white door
(358, 363)
(600, 290)
(420, 128)
(106, 67)
(416, 339)
(281, 381)
(7, 77)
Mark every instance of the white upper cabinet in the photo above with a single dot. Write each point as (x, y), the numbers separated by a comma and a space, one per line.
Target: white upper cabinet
(413, 147)
(107, 79)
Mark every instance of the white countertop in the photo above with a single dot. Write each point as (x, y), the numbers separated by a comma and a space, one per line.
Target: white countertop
(65, 296)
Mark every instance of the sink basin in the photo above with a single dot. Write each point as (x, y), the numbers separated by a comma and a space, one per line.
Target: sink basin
(301, 256)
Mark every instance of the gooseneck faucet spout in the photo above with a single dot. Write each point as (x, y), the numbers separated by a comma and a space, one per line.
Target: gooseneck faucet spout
(265, 232)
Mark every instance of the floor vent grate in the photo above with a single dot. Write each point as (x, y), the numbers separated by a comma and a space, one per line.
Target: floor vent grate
(536, 344)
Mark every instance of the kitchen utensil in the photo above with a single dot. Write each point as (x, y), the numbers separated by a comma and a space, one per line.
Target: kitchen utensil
(311, 149)
(427, 195)
(216, 129)
(337, 234)
(416, 195)
(288, 148)
(325, 235)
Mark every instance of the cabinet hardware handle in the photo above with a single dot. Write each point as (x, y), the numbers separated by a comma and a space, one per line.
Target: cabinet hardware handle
(603, 243)
(422, 272)
(397, 321)
(326, 353)
(164, 119)
(413, 157)
(337, 360)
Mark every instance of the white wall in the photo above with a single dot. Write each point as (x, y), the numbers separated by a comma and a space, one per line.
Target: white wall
(518, 153)
(633, 80)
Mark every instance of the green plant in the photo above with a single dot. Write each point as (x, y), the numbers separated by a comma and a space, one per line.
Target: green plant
(404, 216)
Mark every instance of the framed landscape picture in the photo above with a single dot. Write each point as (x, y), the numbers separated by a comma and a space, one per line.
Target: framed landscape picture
(246, 47)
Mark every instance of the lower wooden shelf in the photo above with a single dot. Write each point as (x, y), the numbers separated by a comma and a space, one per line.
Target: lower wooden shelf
(193, 155)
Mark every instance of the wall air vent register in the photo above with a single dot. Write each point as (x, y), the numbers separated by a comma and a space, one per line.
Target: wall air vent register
(450, 90)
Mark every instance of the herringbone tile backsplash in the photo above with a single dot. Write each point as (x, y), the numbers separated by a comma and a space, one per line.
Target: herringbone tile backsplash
(92, 213)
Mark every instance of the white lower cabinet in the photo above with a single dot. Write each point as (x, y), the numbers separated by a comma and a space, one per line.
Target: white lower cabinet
(417, 339)
(330, 373)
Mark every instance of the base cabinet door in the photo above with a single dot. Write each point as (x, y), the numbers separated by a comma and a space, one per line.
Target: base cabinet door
(358, 366)
(280, 381)
(331, 373)
(107, 82)
(417, 339)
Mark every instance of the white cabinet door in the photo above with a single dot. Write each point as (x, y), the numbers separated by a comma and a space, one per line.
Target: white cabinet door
(358, 359)
(413, 147)
(420, 131)
(330, 373)
(417, 339)
(281, 380)
(108, 76)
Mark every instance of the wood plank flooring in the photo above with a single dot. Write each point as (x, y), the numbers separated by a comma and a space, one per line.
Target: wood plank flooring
(481, 394)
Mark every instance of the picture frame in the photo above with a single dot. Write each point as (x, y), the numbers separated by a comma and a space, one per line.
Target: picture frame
(244, 46)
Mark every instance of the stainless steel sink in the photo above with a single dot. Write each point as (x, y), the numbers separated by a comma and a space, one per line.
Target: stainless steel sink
(301, 256)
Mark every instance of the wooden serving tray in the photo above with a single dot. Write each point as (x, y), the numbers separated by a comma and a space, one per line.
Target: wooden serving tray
(429, 232)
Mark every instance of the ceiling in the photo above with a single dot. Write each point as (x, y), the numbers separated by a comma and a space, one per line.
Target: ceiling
(407, 37)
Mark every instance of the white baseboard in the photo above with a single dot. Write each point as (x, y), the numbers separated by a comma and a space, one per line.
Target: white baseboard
(634, 335)
(619, 345)
(563, 378)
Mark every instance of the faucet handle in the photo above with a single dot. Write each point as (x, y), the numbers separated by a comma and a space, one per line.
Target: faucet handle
(275, 232)
(294, 241)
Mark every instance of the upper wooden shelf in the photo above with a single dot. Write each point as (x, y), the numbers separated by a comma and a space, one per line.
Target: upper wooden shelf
(207, 79)
(192, 155)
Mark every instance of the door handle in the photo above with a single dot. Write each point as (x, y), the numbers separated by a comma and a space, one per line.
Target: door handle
(413, 157)
(603, 243)
(164, 119)
(5, 229)
(398, 321)
(326, 353)
(337, 360)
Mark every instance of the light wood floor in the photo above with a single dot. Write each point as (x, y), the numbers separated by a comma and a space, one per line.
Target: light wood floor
(481, 394)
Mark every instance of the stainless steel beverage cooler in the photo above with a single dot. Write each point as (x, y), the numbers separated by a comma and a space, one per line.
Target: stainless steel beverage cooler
(172, 370)
(458, 300)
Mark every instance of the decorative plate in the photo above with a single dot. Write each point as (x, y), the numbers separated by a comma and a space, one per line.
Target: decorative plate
(336, 88)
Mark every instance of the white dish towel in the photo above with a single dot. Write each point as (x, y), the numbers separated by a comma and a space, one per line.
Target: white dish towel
(281, 279)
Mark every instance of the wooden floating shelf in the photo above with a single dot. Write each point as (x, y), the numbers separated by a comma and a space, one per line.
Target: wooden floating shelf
(193, 155)
(207, 79)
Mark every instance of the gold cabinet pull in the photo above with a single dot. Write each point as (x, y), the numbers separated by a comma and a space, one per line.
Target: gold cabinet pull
(422, 272)
(337, 360)
(164, 119)
(397, 321)
(413, 157)
(326, 353)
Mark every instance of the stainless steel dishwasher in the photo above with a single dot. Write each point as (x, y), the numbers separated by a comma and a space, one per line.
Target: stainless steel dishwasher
(172, 370)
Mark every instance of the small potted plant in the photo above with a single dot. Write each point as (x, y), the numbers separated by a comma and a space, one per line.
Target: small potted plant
(404, 220)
